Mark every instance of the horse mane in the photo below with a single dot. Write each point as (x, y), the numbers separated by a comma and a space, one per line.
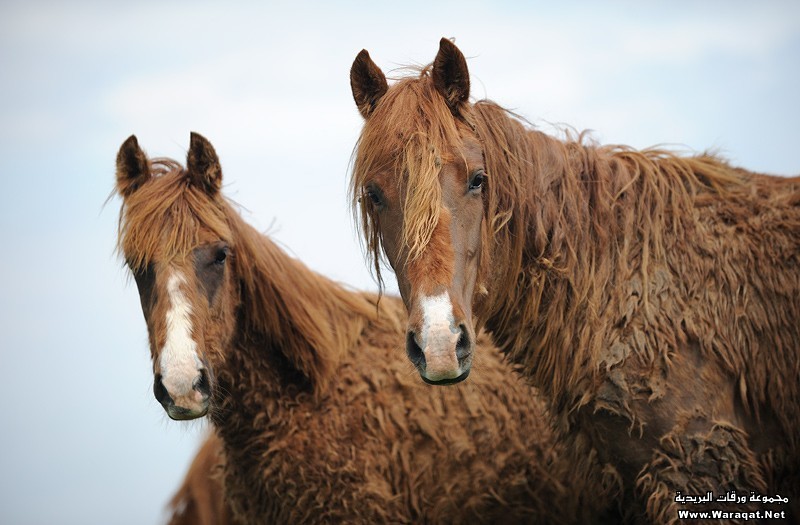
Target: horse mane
(311, 319)
(576, 208)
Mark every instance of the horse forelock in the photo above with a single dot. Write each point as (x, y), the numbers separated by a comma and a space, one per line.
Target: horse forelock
(411, 135)
(163, 220)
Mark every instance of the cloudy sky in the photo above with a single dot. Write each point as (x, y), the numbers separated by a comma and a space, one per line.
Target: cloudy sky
(82, 439)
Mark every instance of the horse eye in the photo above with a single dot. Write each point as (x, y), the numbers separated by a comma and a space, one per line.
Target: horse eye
(374, 197)
(476, 181)
(220, 256)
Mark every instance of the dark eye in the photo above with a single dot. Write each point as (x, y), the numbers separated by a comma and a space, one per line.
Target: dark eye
(374, 195)
(221, 256)
(476, 181)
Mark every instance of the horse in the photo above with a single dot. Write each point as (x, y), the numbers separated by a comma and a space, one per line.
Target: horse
(652, 298)
(200, 500)
(319, 423)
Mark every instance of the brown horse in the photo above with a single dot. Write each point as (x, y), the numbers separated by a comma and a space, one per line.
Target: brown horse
(653, 299)
(320, 420)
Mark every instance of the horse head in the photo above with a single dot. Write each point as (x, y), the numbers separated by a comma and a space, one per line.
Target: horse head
(179, 248)
(418, 184)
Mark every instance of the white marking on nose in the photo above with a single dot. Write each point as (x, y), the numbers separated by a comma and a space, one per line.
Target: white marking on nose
(179, 361)
(439, 337)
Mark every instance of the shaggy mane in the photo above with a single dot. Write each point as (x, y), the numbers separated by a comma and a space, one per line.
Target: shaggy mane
(578, 208)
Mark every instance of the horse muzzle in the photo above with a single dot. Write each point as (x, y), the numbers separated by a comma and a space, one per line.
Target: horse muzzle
(184, 403)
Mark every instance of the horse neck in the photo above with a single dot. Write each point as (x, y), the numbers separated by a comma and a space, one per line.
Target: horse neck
(303, 320)
(554, 242)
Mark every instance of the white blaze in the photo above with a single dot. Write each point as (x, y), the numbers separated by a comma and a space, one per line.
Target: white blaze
(179, 361)
(439, 337)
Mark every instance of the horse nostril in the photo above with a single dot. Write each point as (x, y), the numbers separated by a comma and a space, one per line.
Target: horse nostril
(160, 391)
(463, 344)
(414, 351)
(202, 384)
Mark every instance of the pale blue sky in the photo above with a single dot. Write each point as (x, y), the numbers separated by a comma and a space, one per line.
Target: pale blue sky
(83, 440)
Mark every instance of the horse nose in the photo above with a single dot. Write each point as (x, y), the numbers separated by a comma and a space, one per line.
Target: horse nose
(463, 359)
(414, 352)
(160, 391)
(463, 346)
(202, 384)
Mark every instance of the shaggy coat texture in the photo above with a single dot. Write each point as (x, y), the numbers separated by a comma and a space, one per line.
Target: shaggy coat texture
(653, 299)
(321, 418)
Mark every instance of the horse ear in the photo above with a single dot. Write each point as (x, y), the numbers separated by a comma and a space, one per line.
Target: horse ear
(450, 74)
(203, 165)
(132, 170)
(367, 82)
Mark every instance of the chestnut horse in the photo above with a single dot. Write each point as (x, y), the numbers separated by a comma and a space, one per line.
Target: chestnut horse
(320, 421)
(653, 299)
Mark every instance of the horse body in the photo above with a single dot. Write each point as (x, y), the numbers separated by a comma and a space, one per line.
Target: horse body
(653, 299)
(320, 421)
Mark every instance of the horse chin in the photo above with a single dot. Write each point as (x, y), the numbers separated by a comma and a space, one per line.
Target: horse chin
(177, 413)
(449, 381)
